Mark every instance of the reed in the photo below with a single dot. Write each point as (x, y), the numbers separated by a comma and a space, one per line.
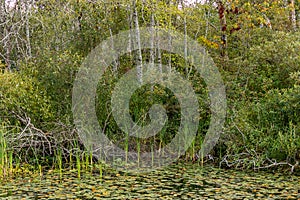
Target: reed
(100, 166)
(91, 161)
(192, 150)
(3, 154)
(152, 155)
(126, 148)
(58, 159)
(40, 171)
(71, 164)
(138, 147)
(86, 161)
(11, 167)
(78, 164)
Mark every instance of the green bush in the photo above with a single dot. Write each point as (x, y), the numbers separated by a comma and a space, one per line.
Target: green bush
(270, 126)
(55, 73)
(22, 95)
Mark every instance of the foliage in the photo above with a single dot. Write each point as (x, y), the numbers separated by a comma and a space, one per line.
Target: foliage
(21, 94)
(260, 67)
(57, 80)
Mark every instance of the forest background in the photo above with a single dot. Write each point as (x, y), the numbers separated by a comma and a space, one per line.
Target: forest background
(254, 44)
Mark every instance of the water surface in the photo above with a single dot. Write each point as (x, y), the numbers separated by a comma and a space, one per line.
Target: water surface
(175, 182)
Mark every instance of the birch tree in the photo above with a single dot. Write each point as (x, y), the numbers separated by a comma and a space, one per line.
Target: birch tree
(152, 33)
(15, 32)
(139, 58)
(293, 15)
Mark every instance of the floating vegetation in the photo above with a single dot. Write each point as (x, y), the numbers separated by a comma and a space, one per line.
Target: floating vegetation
(177, 181)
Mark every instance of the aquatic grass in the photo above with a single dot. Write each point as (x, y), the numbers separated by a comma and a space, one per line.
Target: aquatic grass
(41, 171)
(78, 164)
(126, 147)
(6, 157)
(101, 171)
(3, 154)
(191, 151)
(77, 159)
(100, 167)
(10, 166)
(152, 153)
(91, 161)
(3, 166)
(85, 159)
(58, 156)
(199, 140)
(201, 159)
(138, 147)
(71, 161)
(161, 141)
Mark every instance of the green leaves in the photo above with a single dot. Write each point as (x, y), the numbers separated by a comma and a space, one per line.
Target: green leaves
(20, 94)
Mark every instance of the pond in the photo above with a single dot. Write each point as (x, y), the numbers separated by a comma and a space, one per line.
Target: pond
(174, 182)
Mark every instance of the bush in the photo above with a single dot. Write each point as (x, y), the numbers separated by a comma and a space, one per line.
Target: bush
(270, 126)
(22, 95)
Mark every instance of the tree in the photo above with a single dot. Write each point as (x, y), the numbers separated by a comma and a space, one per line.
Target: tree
(15, 31)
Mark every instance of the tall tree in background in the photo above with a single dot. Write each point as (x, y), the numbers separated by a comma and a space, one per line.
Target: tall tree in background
(223, 27)
(293, 18)
(139, 58)
(15, 31)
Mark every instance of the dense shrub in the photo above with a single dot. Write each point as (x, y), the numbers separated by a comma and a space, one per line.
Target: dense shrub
(21, 95)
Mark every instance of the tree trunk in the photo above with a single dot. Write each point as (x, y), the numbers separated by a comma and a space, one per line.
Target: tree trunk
(28, 7)
(185, 39)
(159, 59)
(223, 27)
(293, 20)
(152, 52)
(139, 58)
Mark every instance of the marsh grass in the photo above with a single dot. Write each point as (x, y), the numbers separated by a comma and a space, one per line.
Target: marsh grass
(191, 153)
(5, 165)
(152, 153)
(7, 162)
(100, 166)
(58, 156)
(78, 164)
(138, 147)
(71, 161)
(3, 160)
(126, 147)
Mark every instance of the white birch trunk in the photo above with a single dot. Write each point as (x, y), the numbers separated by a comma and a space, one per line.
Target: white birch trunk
(129, 49)
(27, 28)
(159, 59)
(152, 51)
(139, 59)
(185, 40)
(293, 15)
